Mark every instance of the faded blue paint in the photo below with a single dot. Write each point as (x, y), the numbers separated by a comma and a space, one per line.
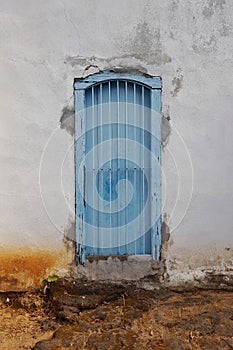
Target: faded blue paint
(117, 210)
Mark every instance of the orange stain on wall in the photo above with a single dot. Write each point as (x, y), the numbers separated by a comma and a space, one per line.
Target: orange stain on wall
(20, 270)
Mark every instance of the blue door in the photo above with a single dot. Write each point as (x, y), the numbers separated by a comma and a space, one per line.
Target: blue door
(118, 172)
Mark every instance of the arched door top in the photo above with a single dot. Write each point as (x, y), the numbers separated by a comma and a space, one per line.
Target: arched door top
(106, 76)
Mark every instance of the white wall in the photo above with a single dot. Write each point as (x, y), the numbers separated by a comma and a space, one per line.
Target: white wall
(45, 45)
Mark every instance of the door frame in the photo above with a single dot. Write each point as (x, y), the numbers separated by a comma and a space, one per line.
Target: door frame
(80, 86)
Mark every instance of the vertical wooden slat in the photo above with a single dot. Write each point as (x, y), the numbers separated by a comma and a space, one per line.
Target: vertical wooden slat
(118, 164)
(143, 170)
(94, 161)
(126, 167)
(155, 174)
(79, 154)
(110, 170)
(135, 138)
(100, 170)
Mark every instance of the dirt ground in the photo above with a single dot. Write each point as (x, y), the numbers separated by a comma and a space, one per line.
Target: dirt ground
(95, 316)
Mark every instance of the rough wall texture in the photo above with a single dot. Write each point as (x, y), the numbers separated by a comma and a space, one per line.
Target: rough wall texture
(189, 44)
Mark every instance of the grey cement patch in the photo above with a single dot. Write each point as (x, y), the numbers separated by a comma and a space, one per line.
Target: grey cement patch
(165, 242)
(70, 230)
(79, 60)
(205, 44)
(165, 232)
(82, 61)
(67, 117)
(211, 7)
(134, 267)
(69, 239)
(177, 82)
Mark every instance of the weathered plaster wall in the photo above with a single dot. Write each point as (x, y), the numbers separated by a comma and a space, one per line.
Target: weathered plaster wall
(188, 43)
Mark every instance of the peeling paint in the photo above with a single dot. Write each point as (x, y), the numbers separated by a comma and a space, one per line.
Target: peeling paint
(67, 117)
(101, 63)
(166, 126)
(206, 268)
(138, 69)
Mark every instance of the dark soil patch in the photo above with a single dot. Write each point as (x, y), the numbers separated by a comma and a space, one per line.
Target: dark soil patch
(101, 316)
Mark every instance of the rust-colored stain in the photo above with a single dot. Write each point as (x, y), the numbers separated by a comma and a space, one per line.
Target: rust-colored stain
(22, 269)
